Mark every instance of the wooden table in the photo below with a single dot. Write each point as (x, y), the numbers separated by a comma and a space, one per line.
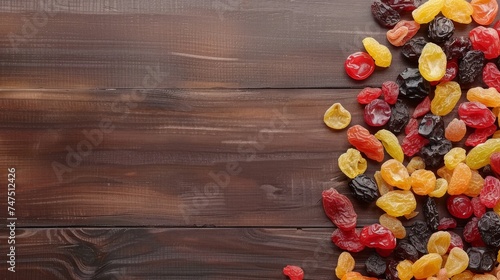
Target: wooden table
(176, 139)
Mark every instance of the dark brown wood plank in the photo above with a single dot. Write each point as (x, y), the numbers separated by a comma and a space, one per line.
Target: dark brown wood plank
(186, 44)
(149, 253)
(175, 158)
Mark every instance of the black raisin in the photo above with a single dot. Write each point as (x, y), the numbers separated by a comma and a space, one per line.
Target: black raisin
(412, 85)
(419, 234)
(433, 153)
(364, 188)
(489, 228)
(481, 259)
(431, 213)
(412, 49)
(457, 47)
(400, 115)
(470, 67)
(432, 127)
(375, 265)
(405, 251)
(403, 5)
(391, 273)
(384, 14)
(440, 29)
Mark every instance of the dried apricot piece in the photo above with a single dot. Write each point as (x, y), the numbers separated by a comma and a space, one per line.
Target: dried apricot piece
(423, 181)
(396, 174)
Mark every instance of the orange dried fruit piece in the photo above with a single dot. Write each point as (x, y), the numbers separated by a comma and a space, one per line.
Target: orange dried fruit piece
(396, 174)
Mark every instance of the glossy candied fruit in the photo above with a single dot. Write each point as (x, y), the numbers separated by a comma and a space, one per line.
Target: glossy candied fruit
(359, 66)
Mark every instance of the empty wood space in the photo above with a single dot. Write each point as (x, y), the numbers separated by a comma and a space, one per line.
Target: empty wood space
(177, 139)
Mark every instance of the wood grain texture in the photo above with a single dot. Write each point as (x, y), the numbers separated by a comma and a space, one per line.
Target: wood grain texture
(174, 158)
(194, 44)
(149, 253)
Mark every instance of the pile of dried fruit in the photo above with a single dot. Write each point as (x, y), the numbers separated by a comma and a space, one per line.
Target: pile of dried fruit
(456, 162)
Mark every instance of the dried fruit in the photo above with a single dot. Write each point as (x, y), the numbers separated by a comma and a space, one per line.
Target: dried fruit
(339, 209)
(364, 188)
(375, 265)
(293, 272)
(391, 144)
(459, 206)
(345, 263)
(377, 236)
(384, 14)
(455, 130)
(431, 214)
(337, 117)
(412, 85)
(380, 53)
(440, 29)
(427, 11)
(432, 62)
(394, 225)
(457, 262)
(397, 203)
(476, 115)
(471, 66)
(351, 163)
(446, 96)
(359, 65)
(458, 10)
(348, 240)
(427, 265)
(365, 142)
(395, 174)
(377, 113)
(439, 242)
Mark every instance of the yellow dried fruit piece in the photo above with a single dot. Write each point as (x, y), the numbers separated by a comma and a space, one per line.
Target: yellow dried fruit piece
(396, 174)
(432, 62)
(466, 275)
(337, 117)
(427, 265)
(380, 53)
(382, 185)
(439, 242)
(440, 189)
(427, 11)
(479, 156)
(488, 96)
(391, 144)
(345, 264)
(457, 261)
(415, 163)
(397, 203)
(352, 163)
(454, 156)
(458, 10)
(446, 96)
(404, 269)
(393, 224)
(484, 277)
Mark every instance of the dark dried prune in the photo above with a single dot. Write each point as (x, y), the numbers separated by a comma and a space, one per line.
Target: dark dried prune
(364, 188)
(489, 228)
(375, 265)
(400, 116)
(403, 5)
(405, 251)
(431, 213)
(412, 85)
(481, 259)
(412, 49)
(431, 127)
(470, 67)
(440, 29)
(434, 152)
(419, 234)
(391, 273)
(384, 14)
(457, 47)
